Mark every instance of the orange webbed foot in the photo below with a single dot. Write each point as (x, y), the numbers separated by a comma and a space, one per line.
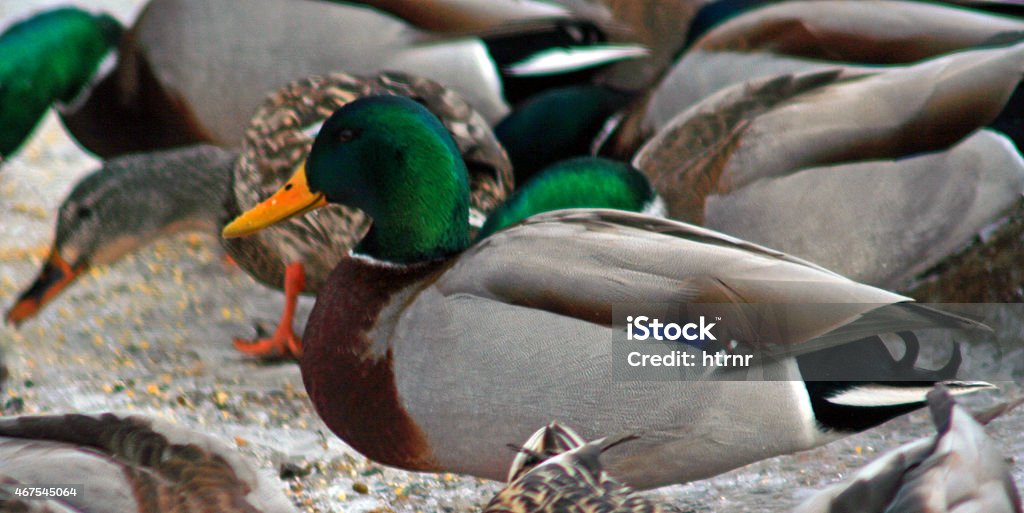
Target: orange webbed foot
(284, 343)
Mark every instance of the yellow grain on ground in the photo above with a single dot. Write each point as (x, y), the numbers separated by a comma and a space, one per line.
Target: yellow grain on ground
(35, 211)
(20, 254)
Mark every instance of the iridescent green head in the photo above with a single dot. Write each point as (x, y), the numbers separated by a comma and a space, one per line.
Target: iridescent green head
(584, 182)
(555, 125)
(390, 157)
(46, 58)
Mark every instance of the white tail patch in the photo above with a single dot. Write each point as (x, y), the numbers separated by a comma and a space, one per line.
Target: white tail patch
(313, 129)
(870, 395)
(574, 58)
(656, 207)
(476, 218)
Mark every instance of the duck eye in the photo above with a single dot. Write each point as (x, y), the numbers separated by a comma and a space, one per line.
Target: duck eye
(84, 213)
(346, 135)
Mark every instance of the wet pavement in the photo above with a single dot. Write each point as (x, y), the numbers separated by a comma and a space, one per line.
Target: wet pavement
(153, 333)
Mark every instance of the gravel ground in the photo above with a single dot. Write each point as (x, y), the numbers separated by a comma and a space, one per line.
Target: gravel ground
(152, 334)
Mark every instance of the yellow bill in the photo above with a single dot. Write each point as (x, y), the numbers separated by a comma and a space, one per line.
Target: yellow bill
(293, 199)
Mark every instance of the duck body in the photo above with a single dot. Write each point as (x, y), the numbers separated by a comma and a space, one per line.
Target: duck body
(129, 464)
(393, 367)
(165, 61)
(793, 37)
(426, 353)
(755, 159)
(159, 93)
(958, 469)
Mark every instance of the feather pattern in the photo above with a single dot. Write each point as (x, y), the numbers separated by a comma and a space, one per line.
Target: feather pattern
(777, 139)
(958, 470)
(569, 478)
(525, 315)
(278, 139)
(799, 36)
(130, 464)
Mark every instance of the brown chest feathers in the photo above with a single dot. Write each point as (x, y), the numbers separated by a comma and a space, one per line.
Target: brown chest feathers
(351, 385)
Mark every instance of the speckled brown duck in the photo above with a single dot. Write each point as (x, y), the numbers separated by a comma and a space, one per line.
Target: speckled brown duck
(128, 464)
(134, 199)
(557, 471)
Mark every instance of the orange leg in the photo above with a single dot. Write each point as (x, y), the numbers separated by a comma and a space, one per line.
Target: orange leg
(283, 343)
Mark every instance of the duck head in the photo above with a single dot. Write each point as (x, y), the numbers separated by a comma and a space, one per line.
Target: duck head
(390, 157)
(124, 205)
(86, 222)
(48, 57)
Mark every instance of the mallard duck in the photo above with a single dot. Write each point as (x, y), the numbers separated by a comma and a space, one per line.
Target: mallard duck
(124, 205)
(958, 469)
(74, 40)
(159, 94)
(130, 464)
(425, 353)
(896, 184)
(798, 36)
(134, 199)
(557, 471)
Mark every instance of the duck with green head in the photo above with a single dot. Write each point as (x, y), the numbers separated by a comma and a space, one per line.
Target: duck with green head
(157, 93)
(47, 58)
(427, 353)
(126, 204)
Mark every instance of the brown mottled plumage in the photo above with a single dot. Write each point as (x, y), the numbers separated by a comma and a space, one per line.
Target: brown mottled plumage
(129, 464)
(278, 139)
(559, 473)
